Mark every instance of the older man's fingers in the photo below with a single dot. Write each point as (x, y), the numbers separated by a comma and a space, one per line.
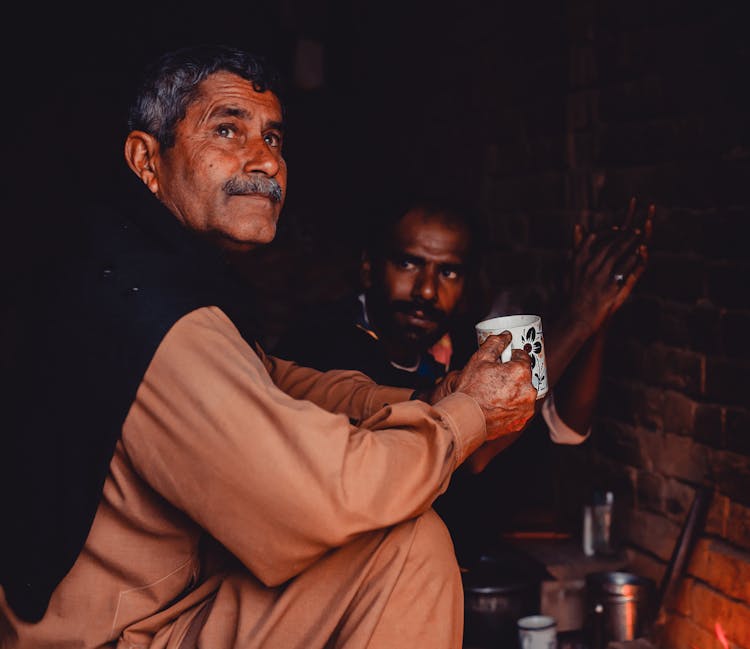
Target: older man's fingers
(520, 355)
(493, 347)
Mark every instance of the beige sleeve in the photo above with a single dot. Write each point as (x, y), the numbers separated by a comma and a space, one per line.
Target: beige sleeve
(280, 481)
(343, 391)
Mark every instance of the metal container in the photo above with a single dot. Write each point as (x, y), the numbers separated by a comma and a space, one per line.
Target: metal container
(618, 607)
(497, 591)
(491, 613)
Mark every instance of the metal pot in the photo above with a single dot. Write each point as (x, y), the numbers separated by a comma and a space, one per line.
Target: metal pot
(618, 606)
(496, 595)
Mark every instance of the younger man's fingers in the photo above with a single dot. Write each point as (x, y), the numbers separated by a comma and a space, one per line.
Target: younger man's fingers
(629, 214)
(577, 236)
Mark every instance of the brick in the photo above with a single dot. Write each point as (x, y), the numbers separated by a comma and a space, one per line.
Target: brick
(677, 137)
(631, 404)
(723, 567)
(719, 244)
(517, 224)
(650, 491)
(738, 431)
(509, 266)
(709, 426)
(617, 185)
(546, 115)
(674, 277)
(649, 34)
(678, 498)
(679, 413)
(645, 564)
(552, 270)
(734, 327)
(548, 152)
(664, 496)
(618, 442)
(717, 515)
(675, 456)
(668, 87)
(709, 607)
(727, 284)
(681, 231)
(641, 98)
(650, 411)
(681, 601)
(537, 191)
(673, 368)
(605, 474)
(730, 180)
(651, 532)
(737, 529)
(731, 475)
(625, 359)
(550, 230)
(683, 633)
(581, 151)
(512, 156)
(582, 110)
(702, 323)
(578, 190)
(727, 381)
(639, 319)
(582, 64)
(700, 184)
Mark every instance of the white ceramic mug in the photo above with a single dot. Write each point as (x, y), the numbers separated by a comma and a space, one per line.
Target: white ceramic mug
(537, 632)
(527, 335)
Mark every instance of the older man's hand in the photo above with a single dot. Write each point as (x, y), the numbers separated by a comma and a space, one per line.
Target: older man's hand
(502, 390)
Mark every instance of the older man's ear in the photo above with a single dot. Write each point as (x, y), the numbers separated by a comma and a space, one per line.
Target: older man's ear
(141, 150)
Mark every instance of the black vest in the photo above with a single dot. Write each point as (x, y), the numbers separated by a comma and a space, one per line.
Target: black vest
(82, 333)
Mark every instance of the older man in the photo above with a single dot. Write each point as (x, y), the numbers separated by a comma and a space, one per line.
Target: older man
(169, 485)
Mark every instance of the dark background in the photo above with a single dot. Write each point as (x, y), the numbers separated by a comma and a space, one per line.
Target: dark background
(474, 98)
(539, 115)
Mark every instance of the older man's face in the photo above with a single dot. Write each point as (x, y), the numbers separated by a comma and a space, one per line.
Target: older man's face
(225, 177)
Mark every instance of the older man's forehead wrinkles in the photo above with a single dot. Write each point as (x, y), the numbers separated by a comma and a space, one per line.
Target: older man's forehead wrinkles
(237, 112)
(230, 111)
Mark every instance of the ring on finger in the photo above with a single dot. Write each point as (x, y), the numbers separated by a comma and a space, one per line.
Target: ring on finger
(619, 278)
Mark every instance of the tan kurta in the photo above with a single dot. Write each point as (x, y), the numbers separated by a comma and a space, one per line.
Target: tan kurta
(331, 540)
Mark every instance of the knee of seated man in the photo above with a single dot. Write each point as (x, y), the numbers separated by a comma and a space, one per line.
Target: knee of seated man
(432, 542)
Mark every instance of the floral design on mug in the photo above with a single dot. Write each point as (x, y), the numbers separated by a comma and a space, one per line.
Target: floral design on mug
(532, 345)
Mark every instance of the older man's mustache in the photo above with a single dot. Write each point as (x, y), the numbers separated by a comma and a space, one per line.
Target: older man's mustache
(256, 183)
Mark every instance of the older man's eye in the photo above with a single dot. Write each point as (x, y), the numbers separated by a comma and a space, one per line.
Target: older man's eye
(226, 130)
(272, 140)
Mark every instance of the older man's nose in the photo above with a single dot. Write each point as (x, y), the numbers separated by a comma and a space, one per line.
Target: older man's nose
(262, 158)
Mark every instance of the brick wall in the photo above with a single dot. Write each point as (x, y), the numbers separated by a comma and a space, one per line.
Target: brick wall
(653, 105)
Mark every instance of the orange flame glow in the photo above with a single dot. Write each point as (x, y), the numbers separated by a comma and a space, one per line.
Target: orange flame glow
(722, 637)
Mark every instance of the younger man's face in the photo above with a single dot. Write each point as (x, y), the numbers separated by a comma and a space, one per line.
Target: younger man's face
(421, 283)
